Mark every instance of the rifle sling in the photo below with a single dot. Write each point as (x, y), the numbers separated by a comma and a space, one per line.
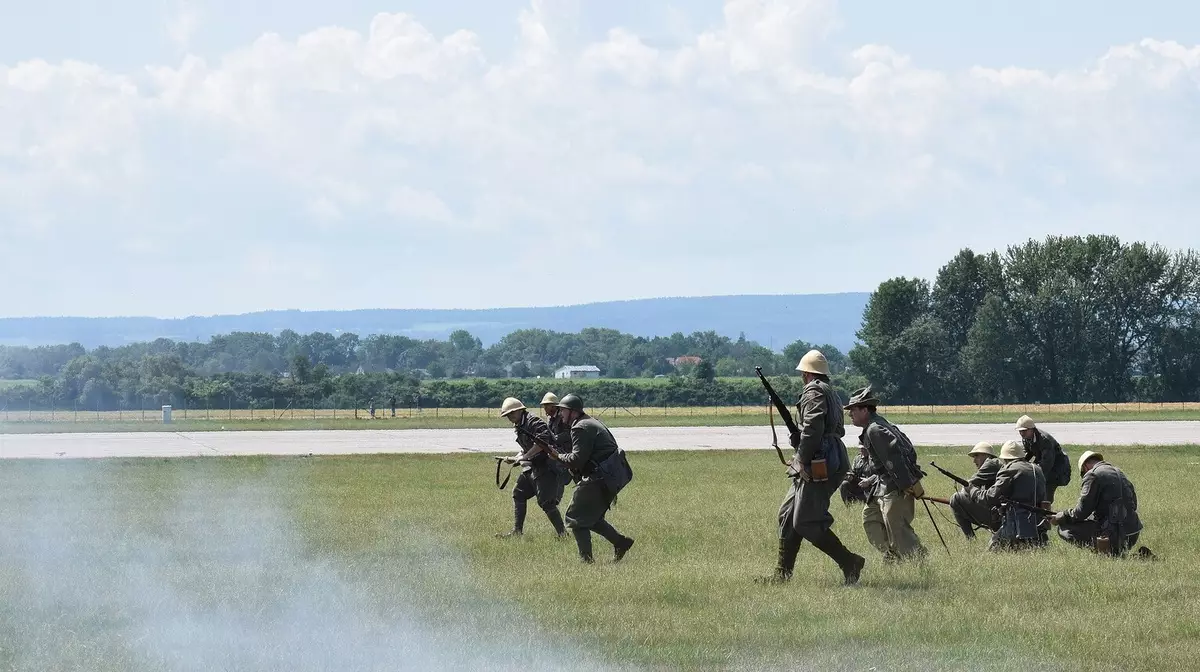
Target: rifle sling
(499, 461)
(774, 436)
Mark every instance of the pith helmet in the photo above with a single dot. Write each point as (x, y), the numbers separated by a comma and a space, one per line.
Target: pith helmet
(983, 448)
(814, 362)
(550, 398)
(862, 397)
(571, 401)
(1087, 455)
(511, 405)
(1011, 450)
(1025, 422)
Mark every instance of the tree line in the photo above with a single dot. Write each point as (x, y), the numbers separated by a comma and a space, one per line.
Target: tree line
(1063, 319)
(258, 370)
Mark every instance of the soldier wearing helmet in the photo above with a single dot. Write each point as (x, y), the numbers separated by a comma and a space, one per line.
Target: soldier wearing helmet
(603, 472)
(540, 477)
(1021, 481)
(970, 505)
(894, 461)
(1106, 511)
(562, 435)
(804, 513)
(1044, 451)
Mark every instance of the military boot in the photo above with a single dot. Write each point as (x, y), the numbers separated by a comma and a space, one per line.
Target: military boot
(583, 539)
(850, 563)
(788, 548)
(556, 520)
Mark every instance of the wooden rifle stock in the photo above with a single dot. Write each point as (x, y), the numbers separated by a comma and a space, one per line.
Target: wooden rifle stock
(939, 500)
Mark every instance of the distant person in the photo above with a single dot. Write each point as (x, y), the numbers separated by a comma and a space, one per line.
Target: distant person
(1044, 451)
(1022, 482)
(371, 408)
(804, 513)
(898, 476)
(392, 403)
(970, 505)
(604, 472)
(1105, 519)
(540, 477)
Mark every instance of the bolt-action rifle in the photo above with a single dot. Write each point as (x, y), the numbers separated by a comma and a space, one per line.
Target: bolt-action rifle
(951, 476)
(1028, 507)
(784, 413)
(549, 450)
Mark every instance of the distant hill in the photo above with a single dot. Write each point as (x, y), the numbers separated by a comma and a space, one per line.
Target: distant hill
(773, 321)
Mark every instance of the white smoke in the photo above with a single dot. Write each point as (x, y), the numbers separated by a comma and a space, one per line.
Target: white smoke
(213, 577)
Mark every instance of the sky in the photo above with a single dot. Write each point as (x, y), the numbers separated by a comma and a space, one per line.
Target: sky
(195, 157)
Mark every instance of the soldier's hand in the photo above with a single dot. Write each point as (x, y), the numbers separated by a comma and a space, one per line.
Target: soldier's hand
(794, 439)
(510, 460)
(1056, 518)
(916, 490)
(804, 475)
(864, 483)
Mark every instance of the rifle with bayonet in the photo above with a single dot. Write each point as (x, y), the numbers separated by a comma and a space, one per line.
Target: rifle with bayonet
(784, 413)
(951, 476)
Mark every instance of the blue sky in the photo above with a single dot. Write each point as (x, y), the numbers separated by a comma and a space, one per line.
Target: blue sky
(165, 158)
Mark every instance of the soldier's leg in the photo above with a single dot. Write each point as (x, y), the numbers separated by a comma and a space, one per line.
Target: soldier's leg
(621, 543)
(874, 526)
(959, 505)
(899, 509)
(849, 562)
(1082, 534)
(789, 541)
(522, 492)
(588, 504)
(549, 494)
(583, 540)
(1050, 492)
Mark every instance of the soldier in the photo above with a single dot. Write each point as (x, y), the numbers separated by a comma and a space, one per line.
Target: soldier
(970, 505)
(858, 487)
(604, 471)
(1105, 519)
(804, 513)
(1022, 482)
(539, 477)
(898, 482)
(1044, 451)
(561, 434)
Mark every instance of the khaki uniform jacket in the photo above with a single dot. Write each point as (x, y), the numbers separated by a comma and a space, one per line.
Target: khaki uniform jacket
(1108, 496)
(888, 460)
(536, 426)
(986, 476)
(1019, 481)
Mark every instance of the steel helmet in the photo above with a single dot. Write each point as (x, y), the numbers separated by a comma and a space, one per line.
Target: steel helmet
(571, 401)
(511, 405)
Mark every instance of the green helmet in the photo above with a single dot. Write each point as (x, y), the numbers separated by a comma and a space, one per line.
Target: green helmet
(571, 401)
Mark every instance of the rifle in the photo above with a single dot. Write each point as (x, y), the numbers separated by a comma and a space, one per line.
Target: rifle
(1028, 507)
(937, 500)
(783, 413)
(951, 476)
(538, 443)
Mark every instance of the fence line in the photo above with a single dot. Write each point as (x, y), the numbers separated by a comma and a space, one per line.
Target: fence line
(154, 415)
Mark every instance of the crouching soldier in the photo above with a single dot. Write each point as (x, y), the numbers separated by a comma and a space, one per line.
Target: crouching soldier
(804, 512)
(970, 505)
(603, 471)
(1045, 451)
(539, 477)
(898, 484)
(1105, 519)
(1019, 482)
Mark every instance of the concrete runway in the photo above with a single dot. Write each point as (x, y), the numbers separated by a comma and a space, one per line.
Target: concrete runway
(500, 441)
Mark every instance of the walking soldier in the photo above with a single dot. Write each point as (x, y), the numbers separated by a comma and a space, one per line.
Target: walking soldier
(539, 477)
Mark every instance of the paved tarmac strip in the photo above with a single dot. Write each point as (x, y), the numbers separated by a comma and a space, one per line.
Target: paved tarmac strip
(500, 441)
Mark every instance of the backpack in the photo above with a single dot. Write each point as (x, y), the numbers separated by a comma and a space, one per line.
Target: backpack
(1062, 467)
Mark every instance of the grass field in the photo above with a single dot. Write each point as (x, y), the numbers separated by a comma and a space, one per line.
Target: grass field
(389, 562)
(13, 421)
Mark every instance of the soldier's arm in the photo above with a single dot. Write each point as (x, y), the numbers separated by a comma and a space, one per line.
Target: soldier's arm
(986, 475)
(812, 424)
(536, 427)
(1003, 487)
(1089, 496)
(583, 442)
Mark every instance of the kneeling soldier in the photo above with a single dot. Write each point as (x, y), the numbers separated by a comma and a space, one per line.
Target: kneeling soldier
(539, 477)
(604, 471)
(970, 505)
(1018, 482)
(894, 461)
(1106, 517)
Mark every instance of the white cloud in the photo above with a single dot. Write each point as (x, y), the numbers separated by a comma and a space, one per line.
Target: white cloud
(183, 23)
(670, 164)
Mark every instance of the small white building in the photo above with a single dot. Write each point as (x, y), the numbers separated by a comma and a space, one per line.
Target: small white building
(587, 371)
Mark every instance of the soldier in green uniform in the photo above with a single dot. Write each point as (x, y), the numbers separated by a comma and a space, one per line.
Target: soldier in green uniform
(898, 484)
(603, 472)
(860, 486)
(804, 513)
(1106, 511)
(1043, 450)
(539, 477)
(1021, 481)
(562, 435)
(970, 505)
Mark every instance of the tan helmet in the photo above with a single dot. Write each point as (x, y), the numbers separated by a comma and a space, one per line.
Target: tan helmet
(983, 448)
(510, 405)
(814, 362)
(550, 398)
(1025, 422)
(1087, 455)
(1011, 450)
